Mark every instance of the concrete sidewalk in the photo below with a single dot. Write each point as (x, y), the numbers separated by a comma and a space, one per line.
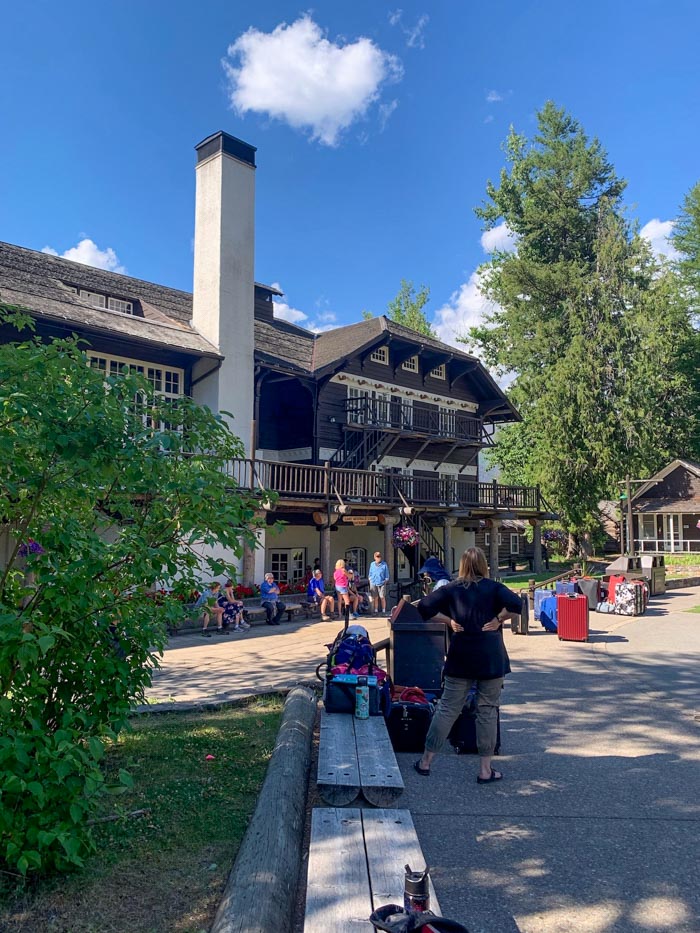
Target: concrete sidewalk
(228, 667)
(594, 828)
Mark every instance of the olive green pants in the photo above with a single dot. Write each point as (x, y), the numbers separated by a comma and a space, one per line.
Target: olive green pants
(488, 695)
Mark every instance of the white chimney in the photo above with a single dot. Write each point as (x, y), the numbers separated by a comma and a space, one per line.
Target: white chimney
(224, 290)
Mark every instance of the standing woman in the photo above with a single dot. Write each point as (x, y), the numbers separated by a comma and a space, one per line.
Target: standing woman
(475, 608)
(340, 578)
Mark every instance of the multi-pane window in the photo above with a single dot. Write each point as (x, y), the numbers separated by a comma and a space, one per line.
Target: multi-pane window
(411, 364)
(515, 544)
(118, 304)
(288, 564)
(166, 382)
(356, 557)
(380, 355)
(440, 372)
(93, 298)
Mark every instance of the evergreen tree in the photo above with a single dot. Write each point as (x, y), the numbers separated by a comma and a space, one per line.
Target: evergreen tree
(586, 320)
(407, 308)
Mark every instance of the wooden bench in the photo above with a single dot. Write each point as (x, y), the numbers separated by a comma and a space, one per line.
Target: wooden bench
(356, 864)
(355, 755)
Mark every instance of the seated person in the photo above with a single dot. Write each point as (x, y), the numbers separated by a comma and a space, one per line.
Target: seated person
(316, 594)
(353, 593)
(208, 602)
(233, 609)
(271, 602)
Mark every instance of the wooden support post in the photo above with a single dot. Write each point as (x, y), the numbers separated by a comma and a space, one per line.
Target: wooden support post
(493, 548)
(326, 553)
(448, 524)
(537, 546)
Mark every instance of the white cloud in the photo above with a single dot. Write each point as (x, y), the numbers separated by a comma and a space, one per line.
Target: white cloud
(466, 308)
(414, 34)
(284, 312)
(488, 118)
(493, 96)
(657, 233)
(88, 253)
(498, 238)
(297, 75)
(385, 111)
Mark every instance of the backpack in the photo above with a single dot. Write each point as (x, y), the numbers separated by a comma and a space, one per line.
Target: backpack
(351, 647)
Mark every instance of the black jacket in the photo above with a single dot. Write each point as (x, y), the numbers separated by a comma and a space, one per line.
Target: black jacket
(473, 654)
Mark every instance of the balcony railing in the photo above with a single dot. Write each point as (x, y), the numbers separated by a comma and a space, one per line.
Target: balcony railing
(413, 419)
(325, 484)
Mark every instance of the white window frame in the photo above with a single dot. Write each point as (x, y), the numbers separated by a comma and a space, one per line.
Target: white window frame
(128, 306)
(487, 538)
(380, 355)
(295, 558)
(440, 372)
(162, 384)
(411, 364)
(357, 557)
(514, 543)
(93, 298)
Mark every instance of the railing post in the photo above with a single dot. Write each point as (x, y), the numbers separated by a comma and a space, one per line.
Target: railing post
(494, 488)
(327, 481)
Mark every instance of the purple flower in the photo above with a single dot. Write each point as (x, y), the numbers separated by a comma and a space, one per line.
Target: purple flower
(30, 546)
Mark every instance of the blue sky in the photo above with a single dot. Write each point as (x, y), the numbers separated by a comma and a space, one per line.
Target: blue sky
(377, 127)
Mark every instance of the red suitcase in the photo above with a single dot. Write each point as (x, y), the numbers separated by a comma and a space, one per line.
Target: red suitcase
(572, 617)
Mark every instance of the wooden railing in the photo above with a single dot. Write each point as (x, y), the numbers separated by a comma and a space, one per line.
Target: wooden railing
(404, 416)
(330, 484)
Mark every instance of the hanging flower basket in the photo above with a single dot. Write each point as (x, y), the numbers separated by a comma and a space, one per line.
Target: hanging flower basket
(405, 536)
(30, 546)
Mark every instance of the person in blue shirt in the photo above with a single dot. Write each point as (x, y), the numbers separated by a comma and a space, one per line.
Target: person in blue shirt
(316, 594)
(270, 600)
(378, 575)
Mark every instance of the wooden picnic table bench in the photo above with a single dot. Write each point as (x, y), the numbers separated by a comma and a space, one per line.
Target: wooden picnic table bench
(355, 755)
(356, 864)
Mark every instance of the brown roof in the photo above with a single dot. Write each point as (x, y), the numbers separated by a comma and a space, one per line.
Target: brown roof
(676, 506)
(45, 285)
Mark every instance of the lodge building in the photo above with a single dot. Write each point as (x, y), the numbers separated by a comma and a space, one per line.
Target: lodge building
(357, 429)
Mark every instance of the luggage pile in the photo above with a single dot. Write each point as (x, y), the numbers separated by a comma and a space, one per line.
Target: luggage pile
(565, 610)
(351, 656)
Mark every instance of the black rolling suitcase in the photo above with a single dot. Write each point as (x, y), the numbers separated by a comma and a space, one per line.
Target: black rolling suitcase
(521, 626)
(462, 735)
(408, 725)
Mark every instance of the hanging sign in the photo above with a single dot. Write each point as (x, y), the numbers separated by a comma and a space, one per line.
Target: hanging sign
(360, 519)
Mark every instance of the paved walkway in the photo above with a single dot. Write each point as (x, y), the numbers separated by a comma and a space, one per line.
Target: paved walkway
(595, 827)
(224, 667)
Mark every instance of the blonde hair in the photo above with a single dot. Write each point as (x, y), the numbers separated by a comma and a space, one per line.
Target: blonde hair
(340, 564)
(473, 565)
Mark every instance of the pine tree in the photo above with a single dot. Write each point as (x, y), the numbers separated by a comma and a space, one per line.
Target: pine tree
(585, 319)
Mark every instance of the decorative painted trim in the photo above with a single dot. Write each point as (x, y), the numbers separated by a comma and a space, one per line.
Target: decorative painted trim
(282, 456)
(428, 465)
(361, 382)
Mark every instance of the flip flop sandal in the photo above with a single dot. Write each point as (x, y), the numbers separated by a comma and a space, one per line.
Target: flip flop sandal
(490, 780)
(424, 772)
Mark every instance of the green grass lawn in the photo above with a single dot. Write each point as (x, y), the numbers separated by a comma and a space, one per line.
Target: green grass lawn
(694, 609)
(164, 871)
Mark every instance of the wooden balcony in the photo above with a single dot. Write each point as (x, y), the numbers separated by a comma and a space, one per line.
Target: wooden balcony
(397, 415)
(322, 485)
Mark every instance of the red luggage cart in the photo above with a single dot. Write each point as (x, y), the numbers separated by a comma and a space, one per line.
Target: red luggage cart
(572, 617)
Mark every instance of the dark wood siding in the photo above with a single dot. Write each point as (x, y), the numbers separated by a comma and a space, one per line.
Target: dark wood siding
(681, 483)
(379, 372)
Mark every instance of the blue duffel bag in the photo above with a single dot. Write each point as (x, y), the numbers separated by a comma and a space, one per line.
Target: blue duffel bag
(565, 588)
(539, 596)
(548, 614)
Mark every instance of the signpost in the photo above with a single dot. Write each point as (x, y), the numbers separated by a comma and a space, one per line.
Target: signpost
(360, 519)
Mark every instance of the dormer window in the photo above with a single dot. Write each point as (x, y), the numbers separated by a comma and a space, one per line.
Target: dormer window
(93, 298)
(380, 355)
(118, 304)
(411, 364)
(439, 372)
(97, 300)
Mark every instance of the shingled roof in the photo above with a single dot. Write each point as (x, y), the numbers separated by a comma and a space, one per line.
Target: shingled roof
(46, 285)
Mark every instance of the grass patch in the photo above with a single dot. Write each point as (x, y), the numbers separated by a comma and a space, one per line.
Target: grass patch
(694, 609)
(164, 871)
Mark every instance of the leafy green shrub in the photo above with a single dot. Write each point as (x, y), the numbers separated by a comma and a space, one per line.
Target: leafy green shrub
(105, 488)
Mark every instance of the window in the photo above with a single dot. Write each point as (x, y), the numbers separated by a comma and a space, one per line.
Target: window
(168, 383)
(288, 564)
(356, 557)
(357, 407)
(487, 538)
(380, 355)
(92, 298)
(411, 364)
(117, 304)
(440, 372)
(515, 544)
(648, 527)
